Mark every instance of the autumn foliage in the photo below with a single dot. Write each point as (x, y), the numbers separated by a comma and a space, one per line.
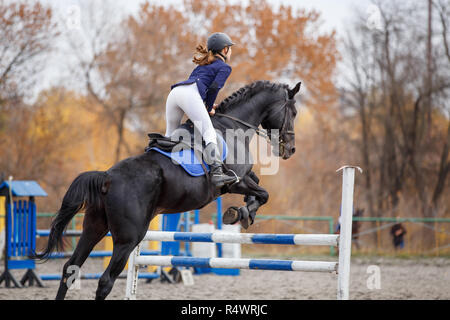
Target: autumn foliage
(124, 70)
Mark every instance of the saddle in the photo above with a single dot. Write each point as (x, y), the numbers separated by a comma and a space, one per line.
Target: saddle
(185, 146)
(167, 144)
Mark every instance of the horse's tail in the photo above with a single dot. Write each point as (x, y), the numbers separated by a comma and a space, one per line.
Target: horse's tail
(85, 192)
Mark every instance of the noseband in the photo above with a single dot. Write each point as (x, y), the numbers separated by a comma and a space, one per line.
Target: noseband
(283, 131)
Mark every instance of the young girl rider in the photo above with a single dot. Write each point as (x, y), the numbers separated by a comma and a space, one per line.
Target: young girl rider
(195, 97)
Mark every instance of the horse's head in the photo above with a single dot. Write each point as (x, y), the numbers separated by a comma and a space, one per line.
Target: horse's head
(279, 123)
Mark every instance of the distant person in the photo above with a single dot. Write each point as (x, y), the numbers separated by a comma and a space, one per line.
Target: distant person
(356, 225)
(398, 231)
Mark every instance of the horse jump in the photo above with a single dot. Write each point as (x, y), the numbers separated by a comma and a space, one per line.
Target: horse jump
(343, 241)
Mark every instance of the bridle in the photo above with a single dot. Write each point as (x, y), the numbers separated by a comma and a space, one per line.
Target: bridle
(266, 133)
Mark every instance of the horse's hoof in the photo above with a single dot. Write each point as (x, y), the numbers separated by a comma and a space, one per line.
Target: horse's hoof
(252, 216)
(244, 217)
(231, 216)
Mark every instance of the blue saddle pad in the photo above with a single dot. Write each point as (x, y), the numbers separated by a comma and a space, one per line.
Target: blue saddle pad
(189, 161)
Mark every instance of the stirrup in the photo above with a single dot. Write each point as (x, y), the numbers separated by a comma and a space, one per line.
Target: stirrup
(236, 176)
(225, 179)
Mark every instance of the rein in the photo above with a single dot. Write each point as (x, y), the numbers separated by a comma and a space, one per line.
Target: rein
(259, 132)
(262, 132)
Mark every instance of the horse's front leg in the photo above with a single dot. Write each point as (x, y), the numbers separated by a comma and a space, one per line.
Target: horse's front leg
(255, 197)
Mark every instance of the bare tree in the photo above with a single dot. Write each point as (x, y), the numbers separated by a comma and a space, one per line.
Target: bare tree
(443, 8)
(399, 89)
(26, 34)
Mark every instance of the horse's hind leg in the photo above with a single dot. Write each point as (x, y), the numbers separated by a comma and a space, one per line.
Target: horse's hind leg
(119, 259)
(94, 229)
(126, 233)
(124, 241)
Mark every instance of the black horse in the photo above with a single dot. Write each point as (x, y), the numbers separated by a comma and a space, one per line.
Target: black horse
(125, 198)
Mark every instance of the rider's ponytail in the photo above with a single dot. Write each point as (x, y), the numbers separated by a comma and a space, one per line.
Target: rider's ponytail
(202, 56)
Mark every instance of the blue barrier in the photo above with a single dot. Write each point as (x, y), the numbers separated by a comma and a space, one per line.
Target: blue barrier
(20, 230)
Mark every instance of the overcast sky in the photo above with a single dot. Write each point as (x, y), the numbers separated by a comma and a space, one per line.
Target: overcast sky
(336, 15)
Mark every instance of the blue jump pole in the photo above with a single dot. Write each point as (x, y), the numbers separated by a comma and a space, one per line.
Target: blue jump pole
(91, 276)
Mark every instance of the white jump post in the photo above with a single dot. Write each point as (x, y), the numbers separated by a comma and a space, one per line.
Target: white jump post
(132, 274)
(342, 267)
(345, 238)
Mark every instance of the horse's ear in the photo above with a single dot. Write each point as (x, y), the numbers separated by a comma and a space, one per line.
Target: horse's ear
(293, 92)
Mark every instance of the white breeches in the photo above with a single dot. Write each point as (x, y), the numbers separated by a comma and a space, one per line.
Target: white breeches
(186, 99)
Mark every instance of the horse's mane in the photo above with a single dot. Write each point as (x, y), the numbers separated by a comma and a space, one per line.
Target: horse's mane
(246, 92)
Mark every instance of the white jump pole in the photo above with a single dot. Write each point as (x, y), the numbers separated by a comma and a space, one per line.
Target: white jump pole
(345, 237)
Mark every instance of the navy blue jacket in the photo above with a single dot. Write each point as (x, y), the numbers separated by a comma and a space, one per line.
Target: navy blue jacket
(210, 79)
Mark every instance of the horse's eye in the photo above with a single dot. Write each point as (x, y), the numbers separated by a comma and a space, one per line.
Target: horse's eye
(294, 111)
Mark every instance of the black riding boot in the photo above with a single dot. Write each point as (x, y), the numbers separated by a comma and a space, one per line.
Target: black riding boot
(218, 178)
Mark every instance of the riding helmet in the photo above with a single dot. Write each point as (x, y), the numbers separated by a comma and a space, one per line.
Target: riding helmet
(217, 41)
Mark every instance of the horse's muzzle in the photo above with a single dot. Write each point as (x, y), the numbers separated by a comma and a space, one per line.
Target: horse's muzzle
(286, 151)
